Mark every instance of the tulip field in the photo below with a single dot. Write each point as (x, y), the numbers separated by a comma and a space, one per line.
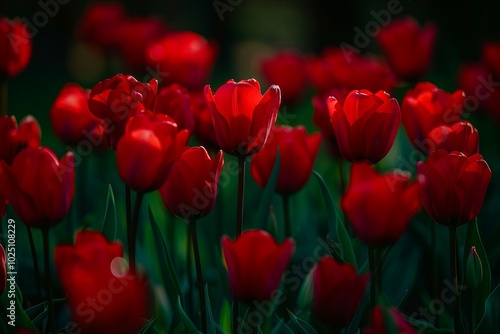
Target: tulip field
(249, 167)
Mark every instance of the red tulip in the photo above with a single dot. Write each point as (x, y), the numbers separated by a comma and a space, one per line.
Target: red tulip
(460, 136)
(15, 139)
(255, 264)
(286, 70)
(3, 270)
(184, 57)
(204, 127)
(135, 36)
(297, 153)
(15, 47)
(321, 117)
(70, 116)
(33, 170)
(117, 99)
(378, 319)
(425, 107)
(242, 116)
(336, 69)
(191, 187)
(408, 47)
(98, 24)
(365, 124)
(472, 78)
(102, 296)
(174, 101)
(379, 207)
(453, 186)
(337, 291)
(149, 146)
(491, 57)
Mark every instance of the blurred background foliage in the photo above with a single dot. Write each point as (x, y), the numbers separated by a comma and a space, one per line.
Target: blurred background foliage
(253, 29)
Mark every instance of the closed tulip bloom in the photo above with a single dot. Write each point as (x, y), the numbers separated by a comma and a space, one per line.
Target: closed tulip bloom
(14, 138)
(150, 145)
(337, 69)
(191, 187)
(425, 107)
(297, 153)
(379, 326)
(491, 57)
(184, 57)
(287, 70)
(321, 117)
(460, 136)
(93, 269)
(242, 116)
(116, 99)
(337, 291)
(70, 116)
(31, 171)
(255, 264)
(408, 47)
(204, 129)
(15, 47)
(379, 207)
(365, 124)
(3, 270)
(471, 78)
(174, 101)
(453, 186)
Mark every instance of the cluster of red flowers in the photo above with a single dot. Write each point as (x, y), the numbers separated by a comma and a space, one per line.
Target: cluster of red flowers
(148, 125)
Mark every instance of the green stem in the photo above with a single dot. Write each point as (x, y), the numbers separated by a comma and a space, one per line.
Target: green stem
(189, 265)
(199, 275)
(133, 230)
(236, 314)
(374, 271)
(241, 188)
(48, 285)
(128, 216)
(435, 257)
(34, 257)
(454, 276)
(286, 211)
(4, 96)
(341, 176)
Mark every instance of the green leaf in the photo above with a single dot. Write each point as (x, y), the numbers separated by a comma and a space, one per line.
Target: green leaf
(491, 319)
(299, 325)
(473, 301)
(172, 286)
(149, 327)
(267, 196)
(210, 316)
(188, 324)
(345, 251)
(110, 198)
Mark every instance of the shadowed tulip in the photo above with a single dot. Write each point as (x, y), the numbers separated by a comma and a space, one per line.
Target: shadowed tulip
(297, 153)
(379, 207)
(453, 186)
(337, 291)
(191, 187)
(255, 264)
(32, 170)
(14, 139)
(461, 136)
(15, 48)
(378, 320)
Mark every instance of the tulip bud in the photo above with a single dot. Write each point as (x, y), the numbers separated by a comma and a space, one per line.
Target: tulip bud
(474, 269)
